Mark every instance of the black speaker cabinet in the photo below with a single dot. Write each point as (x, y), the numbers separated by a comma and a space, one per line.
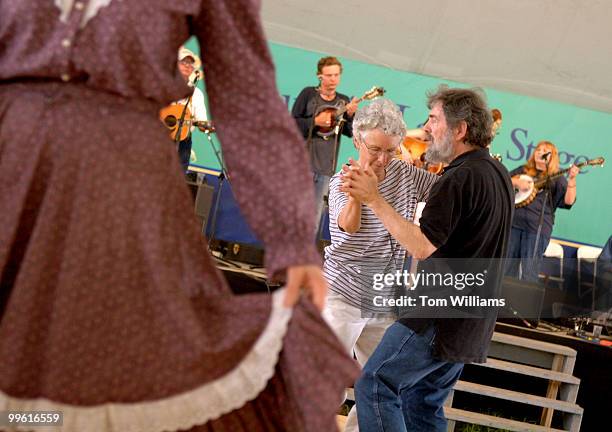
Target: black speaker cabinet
(524, 302)
(203, 202)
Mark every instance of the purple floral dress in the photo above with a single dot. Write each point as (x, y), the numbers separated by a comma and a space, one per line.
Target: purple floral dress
(111, 310)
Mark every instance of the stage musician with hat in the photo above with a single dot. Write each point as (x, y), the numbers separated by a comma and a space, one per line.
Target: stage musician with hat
(189, 65)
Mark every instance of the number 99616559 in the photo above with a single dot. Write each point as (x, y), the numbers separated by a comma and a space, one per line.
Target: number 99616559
(31, 418)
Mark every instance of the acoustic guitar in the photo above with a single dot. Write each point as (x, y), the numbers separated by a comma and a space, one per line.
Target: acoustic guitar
(333, 114)
(171, 118)
(416, 149)
(525, 197)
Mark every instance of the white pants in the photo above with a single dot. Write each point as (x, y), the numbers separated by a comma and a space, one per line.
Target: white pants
(359, 336)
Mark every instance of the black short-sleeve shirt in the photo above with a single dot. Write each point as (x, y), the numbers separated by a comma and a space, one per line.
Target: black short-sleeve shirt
(468, 215)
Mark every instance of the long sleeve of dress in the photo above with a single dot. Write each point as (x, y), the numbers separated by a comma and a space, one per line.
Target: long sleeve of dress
(265, 156)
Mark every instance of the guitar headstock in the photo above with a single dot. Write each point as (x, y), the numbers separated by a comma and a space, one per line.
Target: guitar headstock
(596, 161)
(374, 92)
(205, 126)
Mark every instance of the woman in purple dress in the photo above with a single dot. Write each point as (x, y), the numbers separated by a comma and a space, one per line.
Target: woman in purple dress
(111, 311)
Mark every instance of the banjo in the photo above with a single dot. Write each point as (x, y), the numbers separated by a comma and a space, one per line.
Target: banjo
(525, 197)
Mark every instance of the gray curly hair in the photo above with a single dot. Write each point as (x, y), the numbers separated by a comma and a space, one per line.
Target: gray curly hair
(380, 114)
(467, 105)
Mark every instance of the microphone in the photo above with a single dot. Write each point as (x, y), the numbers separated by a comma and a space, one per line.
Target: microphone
(545, 155)
(196, 77)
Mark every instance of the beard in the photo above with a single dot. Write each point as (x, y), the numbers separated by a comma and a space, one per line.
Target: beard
(440, 151)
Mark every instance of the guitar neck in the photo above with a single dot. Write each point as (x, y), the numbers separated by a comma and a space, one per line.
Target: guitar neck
(342, 109)
(542, 182)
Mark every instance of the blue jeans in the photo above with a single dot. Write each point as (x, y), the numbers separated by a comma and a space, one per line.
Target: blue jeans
(321, 185)
(520, 250)
(402, 387)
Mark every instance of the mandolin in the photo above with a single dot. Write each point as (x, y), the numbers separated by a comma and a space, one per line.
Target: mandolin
(335, 113)
(171, 117)
(525, 197)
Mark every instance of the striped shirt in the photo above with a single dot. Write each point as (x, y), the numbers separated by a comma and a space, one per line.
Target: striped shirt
(352, 259)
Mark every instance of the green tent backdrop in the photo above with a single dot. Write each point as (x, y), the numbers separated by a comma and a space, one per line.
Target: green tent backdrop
(580, 134)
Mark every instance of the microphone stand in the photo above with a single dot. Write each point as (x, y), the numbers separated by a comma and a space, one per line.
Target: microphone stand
(219, 157)
(339, 124)
(541, 220)
(222, 177)
(177, 137)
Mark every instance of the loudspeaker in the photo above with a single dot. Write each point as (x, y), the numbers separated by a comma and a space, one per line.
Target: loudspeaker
(202, 194)
(240, 252)
(524, 301)
(203, 202)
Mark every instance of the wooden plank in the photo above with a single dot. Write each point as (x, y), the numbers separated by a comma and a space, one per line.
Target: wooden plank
(574, 244)
(568, 365)
(492, 421)
(552, 391)
(202, 170)
(569, 393)
(450, 427)
(529, 371)
(521, 355)
(572, 422)
(350, 394)
(517, 397)
(533, 344)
